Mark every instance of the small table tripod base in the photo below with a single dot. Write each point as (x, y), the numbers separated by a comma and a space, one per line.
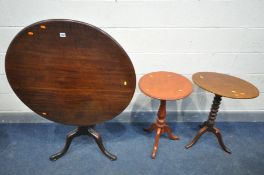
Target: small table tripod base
(83, 130)
(208, 126)
(164, 86)
(161, 127)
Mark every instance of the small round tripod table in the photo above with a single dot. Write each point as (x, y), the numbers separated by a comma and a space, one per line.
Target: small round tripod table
(221, 85)
(164, 86)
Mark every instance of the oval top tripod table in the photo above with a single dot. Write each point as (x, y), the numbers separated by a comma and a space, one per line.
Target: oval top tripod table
(221, 85)
(72, 73)
(164, 86)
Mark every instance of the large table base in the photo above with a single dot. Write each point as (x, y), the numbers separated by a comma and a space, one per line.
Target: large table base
(83, 130)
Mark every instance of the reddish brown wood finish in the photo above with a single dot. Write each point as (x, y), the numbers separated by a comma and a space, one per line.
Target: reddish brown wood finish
(164, 86)
(70, 72)
(161, 127)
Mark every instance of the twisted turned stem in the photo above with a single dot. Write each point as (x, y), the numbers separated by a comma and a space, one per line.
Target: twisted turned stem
(214, 109)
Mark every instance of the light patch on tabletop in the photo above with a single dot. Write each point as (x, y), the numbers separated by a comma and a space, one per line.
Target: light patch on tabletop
(42, 26)
(30, 33)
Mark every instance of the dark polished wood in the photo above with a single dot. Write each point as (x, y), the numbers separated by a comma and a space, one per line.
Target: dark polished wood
(83, 130)
(221, 85)
(70, 72)
(164, 86)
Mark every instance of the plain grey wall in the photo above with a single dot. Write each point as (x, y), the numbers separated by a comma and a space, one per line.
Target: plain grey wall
(184, 36)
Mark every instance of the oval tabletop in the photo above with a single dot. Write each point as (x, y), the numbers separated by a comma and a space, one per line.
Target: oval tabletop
(225, 85)
(70, 72)
(165, 85)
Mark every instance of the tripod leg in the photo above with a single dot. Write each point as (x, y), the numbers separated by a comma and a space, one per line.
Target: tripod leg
(196, 138)
(151, 128)
(171, 136)
(69, 138)
(156, 144)
(217, 133)
(99, 142)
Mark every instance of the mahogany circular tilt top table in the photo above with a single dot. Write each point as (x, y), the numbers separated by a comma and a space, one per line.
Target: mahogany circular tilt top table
(221, 85)
(164, 86)
(70, 72)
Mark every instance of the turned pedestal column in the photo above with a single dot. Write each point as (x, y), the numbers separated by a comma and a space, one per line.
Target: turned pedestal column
(164, 86)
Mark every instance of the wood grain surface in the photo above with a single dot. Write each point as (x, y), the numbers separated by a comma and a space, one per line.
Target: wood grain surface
(165, 85)
(70, 72)
(225, 85)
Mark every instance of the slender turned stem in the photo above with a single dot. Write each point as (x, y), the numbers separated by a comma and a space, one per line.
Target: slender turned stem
(161, 127)
(161, 120)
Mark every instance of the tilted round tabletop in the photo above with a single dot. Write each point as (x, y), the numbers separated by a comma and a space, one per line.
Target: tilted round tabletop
(225, 85)
(165, 85)
(70, 72)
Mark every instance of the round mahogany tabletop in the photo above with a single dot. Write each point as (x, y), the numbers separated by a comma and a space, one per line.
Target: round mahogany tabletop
(225, 85)
(70, 72)
(165, 85)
